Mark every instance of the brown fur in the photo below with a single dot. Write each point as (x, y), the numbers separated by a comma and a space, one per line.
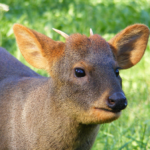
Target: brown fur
(63, 112)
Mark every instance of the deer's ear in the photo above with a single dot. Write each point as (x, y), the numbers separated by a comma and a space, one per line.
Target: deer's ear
(38, 50)
(129, 45)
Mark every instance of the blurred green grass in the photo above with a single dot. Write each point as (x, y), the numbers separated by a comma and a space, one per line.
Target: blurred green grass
(132, 130)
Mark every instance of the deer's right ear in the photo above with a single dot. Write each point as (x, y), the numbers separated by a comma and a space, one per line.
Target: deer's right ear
(39, 50)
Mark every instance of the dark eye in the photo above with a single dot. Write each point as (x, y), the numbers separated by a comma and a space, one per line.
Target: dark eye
(117, 72)
(79, 72)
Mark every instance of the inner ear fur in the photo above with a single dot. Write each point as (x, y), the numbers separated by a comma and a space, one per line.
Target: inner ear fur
(129, 45)
(39, 50)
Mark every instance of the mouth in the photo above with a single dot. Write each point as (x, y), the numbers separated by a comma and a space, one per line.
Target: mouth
(107, 110)
(104, 115)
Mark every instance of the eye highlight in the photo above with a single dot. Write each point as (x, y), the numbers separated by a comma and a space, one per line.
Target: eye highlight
(117, 72)
(79, 72)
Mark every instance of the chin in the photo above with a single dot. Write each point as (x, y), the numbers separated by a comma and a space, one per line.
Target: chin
(100, 116)
(105, 116)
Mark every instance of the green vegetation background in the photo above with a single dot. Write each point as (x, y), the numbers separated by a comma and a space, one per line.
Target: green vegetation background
(106, 17)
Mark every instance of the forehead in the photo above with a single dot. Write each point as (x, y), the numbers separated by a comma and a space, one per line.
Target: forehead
(96, 43)
(93, 49)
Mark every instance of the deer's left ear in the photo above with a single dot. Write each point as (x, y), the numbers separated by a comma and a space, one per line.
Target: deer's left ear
(129, 45)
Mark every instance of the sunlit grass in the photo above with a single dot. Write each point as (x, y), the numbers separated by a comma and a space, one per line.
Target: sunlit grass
(132, 130)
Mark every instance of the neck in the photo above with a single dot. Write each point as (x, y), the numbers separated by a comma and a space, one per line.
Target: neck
(68, 134)
(56, 129)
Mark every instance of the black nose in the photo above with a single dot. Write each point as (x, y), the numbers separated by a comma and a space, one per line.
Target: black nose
(117, 101)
